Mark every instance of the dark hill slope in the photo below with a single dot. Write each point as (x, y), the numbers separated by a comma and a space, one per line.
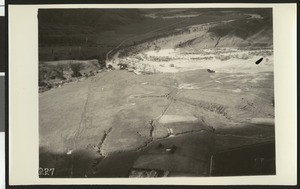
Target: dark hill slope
(60, 26)
(251, 32)
(88, 17)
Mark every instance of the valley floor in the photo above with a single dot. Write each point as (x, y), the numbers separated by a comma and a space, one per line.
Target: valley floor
(121, 112)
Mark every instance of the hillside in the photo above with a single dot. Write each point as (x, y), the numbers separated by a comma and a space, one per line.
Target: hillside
(101, 34)
(90, 33)
(245, 38)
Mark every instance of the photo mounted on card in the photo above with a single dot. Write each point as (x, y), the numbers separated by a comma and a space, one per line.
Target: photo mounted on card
(148, 91)
(171, 92)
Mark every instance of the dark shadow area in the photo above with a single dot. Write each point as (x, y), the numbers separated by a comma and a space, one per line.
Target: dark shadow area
(187, 154)
(200, 153)
(257, 159)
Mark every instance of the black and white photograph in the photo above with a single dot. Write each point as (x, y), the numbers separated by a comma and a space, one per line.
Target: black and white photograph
(170, 92)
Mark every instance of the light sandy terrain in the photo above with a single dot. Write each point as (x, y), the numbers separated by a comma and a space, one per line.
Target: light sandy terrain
(197, 50)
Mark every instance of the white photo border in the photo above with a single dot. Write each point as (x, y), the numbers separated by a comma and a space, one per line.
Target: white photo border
(23, 99)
